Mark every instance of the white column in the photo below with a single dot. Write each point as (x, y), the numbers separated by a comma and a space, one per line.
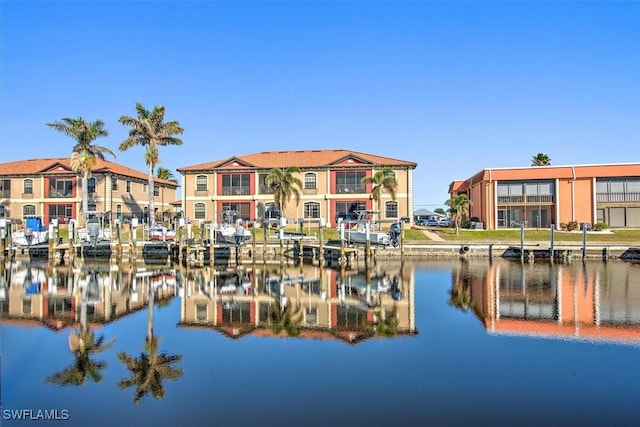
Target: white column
(410, 195)
(556, 195)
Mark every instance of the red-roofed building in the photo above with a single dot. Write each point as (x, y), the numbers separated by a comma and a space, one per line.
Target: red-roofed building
(331, 185)
(50, 189)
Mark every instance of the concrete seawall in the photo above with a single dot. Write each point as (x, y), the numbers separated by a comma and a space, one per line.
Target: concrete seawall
(532, 251)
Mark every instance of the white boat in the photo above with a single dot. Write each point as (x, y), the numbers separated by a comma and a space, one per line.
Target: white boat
(162, 234)
(28, 237)
(33, 234)
(91, 232)
(232, 234)
(355, 231)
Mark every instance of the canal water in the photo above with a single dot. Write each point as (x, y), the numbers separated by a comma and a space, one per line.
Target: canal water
(437, 342)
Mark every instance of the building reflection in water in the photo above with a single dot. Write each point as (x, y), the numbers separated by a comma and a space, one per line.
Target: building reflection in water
(36, 295)
(595, 301)
(307, 301)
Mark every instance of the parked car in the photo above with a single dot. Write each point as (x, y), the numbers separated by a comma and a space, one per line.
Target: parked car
(427, 222)
(444, 222)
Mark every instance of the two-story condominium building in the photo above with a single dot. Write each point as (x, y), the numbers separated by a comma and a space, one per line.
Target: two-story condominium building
(49, 188)
(543, 195)
(331, 185)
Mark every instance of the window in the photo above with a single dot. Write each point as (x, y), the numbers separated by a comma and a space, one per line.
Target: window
(28, 210)
(243, 210)
(312, 210)
(28, 186)
(391, 174)
(264, 188)
(2, 212)
(310, 181)
(343, 208)
(26, 306)
(128, 186)
(91, 185)
(156, 190)
(5, 187)
(235, 184)
(118, 211)
(62, 212)
(391, 209)
(60, 188)
(201, 183)
(145, 188)
(114, 184)
(92, 207)
(349, 182)
(200, 211)
(201, 312)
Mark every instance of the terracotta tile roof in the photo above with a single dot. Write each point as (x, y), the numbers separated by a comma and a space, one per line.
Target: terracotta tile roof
(39, 166)
(300, 158)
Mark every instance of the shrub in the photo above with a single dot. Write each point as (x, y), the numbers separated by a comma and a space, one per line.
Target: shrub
(599, 226)
(465, 224)
(573, 225)
(563, 226)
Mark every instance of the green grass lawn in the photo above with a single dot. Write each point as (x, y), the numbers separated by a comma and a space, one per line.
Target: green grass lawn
(612, 236)
(448, 234)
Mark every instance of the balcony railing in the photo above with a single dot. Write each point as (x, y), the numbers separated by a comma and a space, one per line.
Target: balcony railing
(265, 189)
(618, 197)
(235, 191)
(533, 198)
(60, 194)
(352, 188)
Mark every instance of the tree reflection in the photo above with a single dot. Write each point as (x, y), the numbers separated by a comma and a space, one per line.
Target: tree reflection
(284, 317)
(151, 368)
(386, 325)
(460, 293)
(83, 344)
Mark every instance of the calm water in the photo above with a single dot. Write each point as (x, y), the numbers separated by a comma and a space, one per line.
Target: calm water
(430, 343)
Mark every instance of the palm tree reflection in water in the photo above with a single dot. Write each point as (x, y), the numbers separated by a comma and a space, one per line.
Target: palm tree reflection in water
(83, 344)
(151, 368)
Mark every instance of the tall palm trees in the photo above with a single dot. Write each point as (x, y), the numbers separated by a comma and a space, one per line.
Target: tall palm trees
(83, 344)
(84, 152)
(540, 159)
(150, 130)
(382, 180)
(152, 367)
(284, 185)
(459, 206)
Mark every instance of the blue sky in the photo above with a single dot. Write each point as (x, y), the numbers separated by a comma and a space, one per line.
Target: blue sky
(454, 86)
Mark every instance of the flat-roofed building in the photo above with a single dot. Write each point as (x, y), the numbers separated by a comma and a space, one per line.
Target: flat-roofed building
(539, 196)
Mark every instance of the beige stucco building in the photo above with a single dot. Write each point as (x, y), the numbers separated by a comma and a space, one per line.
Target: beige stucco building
(49, 188)
(331, 185)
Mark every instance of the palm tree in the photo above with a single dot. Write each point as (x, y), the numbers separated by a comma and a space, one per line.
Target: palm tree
(285, 319)
(150, 130)
(458, 206)
(540, 159)
(151, 368)
(83, 344)
(382, 180)
(284, 185)
(387, 325)
(84, 153)
(166, 174)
